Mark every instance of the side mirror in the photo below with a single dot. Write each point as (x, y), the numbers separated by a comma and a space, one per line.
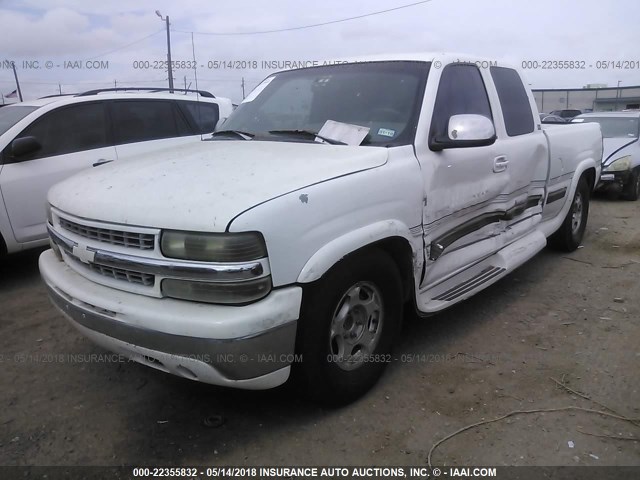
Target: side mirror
(467, 130)
(24, 146)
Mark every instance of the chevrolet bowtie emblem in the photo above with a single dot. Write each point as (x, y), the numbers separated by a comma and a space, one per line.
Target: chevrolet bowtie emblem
(82, 253)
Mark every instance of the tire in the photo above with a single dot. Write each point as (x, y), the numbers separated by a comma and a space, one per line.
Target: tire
(349, 321)
(568, 237)
(631, 190)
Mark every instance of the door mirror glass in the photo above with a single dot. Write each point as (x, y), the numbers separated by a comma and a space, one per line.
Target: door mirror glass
(24, 146)
(470, 127)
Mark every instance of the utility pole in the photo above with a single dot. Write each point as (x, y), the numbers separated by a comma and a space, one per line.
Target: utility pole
(243, 88)
(170, 69)
(13, 65)
(169, 57)
(115, 84)
(60, 89)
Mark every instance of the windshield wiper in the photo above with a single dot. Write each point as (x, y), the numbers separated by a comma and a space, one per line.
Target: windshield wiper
(237, 133)
(307, 134)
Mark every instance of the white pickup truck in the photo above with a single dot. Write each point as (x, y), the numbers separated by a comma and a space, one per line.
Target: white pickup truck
(332, 198)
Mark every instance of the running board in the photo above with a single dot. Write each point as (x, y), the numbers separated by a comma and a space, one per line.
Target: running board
(473, 279)
(484, 276)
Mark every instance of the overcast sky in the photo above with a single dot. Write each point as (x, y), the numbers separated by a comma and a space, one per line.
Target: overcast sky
(76, 30)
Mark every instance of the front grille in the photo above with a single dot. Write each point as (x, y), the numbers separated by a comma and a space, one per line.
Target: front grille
(130, 276)
(142, 241)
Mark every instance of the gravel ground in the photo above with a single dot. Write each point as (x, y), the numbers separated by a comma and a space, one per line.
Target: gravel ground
(573, 317)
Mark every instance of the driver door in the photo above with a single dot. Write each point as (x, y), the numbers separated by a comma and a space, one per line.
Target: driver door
(464, 185)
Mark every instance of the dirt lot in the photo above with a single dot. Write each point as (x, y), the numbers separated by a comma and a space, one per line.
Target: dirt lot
(572, 317)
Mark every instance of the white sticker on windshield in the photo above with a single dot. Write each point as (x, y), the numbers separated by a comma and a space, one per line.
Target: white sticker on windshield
(386, 132)
(258, 90)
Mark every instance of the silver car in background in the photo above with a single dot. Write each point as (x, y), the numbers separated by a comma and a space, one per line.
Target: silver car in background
(621, 155)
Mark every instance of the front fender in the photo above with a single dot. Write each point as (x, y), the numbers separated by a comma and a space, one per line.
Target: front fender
(334, 251)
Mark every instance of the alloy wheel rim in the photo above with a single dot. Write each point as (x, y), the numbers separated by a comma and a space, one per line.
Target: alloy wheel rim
(576, 216)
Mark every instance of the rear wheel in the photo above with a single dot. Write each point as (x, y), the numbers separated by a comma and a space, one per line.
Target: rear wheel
(632, 188)
(568, 237)
(3, 247)
(349, 321)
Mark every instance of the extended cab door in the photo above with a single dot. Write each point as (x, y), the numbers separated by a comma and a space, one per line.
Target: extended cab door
(71, 138)
(466, 185)
(523, 148)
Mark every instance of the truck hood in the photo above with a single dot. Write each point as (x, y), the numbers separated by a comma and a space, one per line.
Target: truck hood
(203, 186)
(613, 147)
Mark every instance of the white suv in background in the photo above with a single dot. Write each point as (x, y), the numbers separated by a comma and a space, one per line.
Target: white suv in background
(47, 140)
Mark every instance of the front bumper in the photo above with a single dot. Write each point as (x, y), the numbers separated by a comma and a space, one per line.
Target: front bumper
(613, 180)
(244, 347)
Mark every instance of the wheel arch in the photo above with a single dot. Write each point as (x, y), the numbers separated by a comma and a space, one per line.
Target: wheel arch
(586, 170)
(391, 237)
(590, 176)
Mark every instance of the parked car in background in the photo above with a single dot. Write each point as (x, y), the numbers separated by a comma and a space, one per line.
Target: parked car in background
(567, 114)
(547, 118)
(329, 199)
(47, 140)
(621, 158)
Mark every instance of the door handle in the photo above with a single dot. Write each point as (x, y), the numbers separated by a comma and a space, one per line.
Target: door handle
(500, 164)
(102, 161)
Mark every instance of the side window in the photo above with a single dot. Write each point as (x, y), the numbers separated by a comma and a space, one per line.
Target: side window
(514, 102)
(205, 115)
(69, 129)
(142, 120)
(461, 91)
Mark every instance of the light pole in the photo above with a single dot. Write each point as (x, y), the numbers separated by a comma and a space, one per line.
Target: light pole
(170, 70)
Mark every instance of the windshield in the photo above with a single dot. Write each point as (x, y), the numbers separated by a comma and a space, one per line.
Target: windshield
(614, 127)
(11, 115)
(383, 96)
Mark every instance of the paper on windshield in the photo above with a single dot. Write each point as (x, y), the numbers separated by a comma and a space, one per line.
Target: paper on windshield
(343, 132)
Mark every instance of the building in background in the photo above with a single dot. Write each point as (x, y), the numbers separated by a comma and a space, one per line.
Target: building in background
(596, 96)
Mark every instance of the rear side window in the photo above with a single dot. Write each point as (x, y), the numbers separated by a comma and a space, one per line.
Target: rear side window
(205, 115)
(461, 91)
(142, 120)
(69, 129)
(514, 102)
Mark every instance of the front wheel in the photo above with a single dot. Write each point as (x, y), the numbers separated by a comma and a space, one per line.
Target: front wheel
(568, 237)
(348, 324)
(632, 188)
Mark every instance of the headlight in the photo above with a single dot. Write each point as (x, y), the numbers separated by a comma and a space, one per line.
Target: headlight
(217, 292)
(213, 247)
(622, 163)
